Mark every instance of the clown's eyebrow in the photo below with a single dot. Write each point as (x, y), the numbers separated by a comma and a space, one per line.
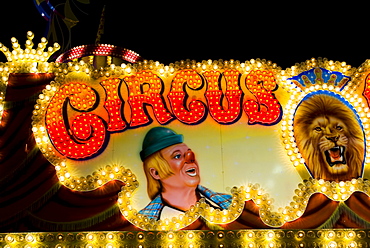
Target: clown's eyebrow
(175, 151)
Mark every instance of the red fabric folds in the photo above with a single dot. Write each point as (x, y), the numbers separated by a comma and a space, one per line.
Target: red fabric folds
(360, 204)
(31, 197)
(318, 210)
(26, 178)
(249, 218)
(71, 210)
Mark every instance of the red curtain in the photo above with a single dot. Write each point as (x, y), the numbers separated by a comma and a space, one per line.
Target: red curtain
(31, 197)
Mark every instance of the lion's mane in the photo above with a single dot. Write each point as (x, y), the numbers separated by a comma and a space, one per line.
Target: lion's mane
(322, 105)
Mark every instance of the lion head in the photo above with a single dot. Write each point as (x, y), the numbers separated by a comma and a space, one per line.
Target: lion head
(329, 138)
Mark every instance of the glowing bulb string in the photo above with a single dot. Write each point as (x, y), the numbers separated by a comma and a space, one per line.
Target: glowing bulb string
(99, 50)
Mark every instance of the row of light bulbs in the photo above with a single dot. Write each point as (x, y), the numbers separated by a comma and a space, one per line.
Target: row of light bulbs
(191, 239)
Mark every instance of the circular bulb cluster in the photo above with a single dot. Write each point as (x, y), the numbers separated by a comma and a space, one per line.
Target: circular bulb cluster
(29, 60)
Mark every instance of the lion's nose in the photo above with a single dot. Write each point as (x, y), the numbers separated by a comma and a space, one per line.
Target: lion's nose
(333, 138)
(189, 157)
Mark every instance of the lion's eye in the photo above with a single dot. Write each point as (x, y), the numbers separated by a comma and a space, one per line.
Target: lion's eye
(318, 129)
(339, 128)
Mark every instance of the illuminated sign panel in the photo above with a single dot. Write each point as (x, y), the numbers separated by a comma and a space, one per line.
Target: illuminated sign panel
(239, 120)
(215, 141)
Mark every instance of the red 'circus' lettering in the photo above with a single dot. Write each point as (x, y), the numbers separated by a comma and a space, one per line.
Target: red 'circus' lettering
(85, 135)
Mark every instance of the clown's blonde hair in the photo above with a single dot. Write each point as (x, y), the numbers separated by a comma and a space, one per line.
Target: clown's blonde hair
(157, 162)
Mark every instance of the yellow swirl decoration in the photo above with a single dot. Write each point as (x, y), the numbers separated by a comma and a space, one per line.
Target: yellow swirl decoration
(339, 192)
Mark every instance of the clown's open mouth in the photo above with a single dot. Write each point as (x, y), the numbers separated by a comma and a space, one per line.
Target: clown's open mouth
(191, 172)
(335, 156)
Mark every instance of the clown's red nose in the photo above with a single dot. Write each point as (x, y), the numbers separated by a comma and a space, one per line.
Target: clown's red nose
(189, 157)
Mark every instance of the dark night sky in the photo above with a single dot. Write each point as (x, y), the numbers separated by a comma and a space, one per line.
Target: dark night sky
(241, 30)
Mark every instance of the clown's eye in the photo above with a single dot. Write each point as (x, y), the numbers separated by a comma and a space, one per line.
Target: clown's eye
(177, 156)
(318, 129)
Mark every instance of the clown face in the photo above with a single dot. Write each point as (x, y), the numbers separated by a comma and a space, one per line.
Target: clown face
(184, 166)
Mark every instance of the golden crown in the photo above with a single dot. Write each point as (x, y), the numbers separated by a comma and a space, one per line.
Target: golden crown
(320, 76)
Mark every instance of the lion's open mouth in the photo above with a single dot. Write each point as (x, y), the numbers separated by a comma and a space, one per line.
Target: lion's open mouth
(335, 156)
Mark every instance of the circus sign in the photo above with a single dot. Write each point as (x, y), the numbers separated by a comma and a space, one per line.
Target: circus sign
(207, 139)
